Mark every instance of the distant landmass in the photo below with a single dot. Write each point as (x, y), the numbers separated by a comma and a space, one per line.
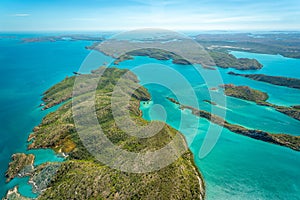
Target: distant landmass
(71, 37)
(287, 45)
(209, 60)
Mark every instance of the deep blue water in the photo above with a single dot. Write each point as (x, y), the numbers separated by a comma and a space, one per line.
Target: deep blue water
(237, 168)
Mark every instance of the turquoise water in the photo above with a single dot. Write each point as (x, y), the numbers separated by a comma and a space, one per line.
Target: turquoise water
(27, 70)
(238, 167)
(275, 65)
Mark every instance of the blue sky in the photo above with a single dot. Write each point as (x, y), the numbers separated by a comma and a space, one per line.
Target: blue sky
(49, 15)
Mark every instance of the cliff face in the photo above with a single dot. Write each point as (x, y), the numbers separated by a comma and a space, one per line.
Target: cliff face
(82, 176)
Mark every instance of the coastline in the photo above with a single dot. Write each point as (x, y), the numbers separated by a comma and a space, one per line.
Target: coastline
(31, 141)
(292, 142)
(246, 152)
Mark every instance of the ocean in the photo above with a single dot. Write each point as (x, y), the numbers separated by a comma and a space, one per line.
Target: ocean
(237, 168)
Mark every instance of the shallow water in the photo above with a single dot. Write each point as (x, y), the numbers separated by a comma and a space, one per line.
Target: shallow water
(237, 168)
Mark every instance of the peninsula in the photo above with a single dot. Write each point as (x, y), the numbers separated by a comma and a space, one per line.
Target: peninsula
(275, 80)
(260, 98)
(20, 161)
(286, 140)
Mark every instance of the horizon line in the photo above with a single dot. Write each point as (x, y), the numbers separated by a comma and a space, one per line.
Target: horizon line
(122, 30)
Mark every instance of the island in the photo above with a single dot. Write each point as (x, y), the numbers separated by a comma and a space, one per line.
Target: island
(275, 80)
(290, 141)
(209, 59)
(81, 175)
(260, 98)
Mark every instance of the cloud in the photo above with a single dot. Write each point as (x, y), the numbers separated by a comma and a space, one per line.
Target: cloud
(21, 15)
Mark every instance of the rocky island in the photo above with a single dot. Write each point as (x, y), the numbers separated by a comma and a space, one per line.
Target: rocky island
(82, 176)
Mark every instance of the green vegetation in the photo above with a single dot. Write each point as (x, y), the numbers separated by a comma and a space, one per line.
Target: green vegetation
(296, 107)
(180, 52)
(19, 162)
(81, 176)
(275, 80)
(286, 140)
(226, 60)
(245, 92)
(249, 94)
(158, 54)
(221, 59)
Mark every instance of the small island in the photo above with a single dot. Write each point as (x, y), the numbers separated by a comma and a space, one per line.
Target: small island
(275, 80)
(286, 140)
(260, 98)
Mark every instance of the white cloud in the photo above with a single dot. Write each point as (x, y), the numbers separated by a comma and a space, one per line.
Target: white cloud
(21, 15)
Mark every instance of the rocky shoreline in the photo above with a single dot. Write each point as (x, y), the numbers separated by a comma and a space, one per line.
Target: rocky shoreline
(81, 176)
(260, 98)
(275, 80)
(292, 142)
(13, 194)
(21, 165)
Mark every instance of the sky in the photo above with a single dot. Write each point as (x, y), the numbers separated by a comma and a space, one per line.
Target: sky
(85, 15)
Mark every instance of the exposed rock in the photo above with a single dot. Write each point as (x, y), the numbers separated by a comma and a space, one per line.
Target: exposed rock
(21, 165)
